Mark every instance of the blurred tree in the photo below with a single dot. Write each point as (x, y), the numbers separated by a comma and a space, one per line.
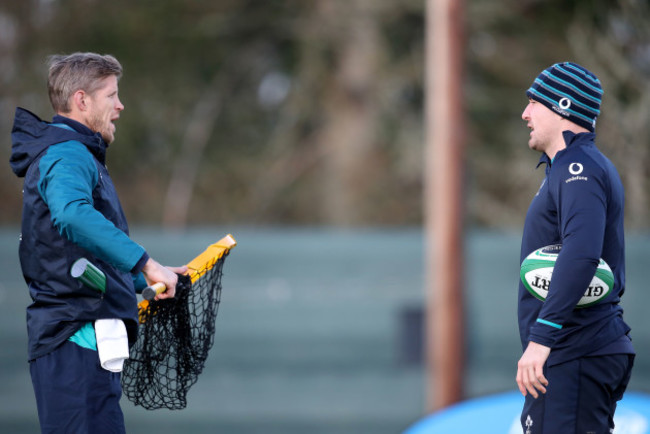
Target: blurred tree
(298, 112)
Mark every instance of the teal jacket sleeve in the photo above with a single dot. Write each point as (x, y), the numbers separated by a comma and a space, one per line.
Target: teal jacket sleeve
(139, 282)
(68, 177)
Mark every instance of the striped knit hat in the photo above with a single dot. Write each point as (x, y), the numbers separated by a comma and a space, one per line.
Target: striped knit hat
(571, 91)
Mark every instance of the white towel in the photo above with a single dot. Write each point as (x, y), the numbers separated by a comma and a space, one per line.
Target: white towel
(112, 343)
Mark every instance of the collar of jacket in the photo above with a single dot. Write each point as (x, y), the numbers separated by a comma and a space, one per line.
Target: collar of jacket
(31, 136)
(570, 139)
(100, 150)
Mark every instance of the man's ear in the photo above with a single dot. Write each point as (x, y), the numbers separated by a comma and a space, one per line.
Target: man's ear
(80, 100)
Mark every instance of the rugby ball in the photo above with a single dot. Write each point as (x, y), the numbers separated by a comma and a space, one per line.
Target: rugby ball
(537, 269)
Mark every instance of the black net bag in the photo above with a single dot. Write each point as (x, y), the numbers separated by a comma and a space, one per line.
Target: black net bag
(176, 335)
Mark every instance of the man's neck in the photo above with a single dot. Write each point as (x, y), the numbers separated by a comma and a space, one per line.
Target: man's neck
(75, 115)
(78, 125)
(559, 143)
(555, 147)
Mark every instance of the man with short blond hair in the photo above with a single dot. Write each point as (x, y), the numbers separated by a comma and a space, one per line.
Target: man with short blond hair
(78, 333)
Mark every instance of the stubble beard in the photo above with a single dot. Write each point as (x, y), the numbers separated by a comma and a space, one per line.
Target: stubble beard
(104, 128)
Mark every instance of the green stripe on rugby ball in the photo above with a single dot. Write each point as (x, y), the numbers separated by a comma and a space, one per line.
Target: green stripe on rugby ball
(537, 270)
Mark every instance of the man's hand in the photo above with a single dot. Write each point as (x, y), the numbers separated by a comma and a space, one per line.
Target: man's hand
(154, 273)
(530, 369)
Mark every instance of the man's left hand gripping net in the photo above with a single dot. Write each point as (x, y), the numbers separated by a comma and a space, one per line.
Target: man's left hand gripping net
(176, 334)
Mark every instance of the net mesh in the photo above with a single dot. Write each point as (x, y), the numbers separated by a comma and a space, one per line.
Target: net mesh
(173, 342)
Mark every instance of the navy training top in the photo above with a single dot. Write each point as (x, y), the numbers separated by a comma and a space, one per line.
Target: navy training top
(70, 210)
(579, 205)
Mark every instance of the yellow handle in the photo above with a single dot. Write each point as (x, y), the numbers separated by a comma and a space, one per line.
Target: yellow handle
(203, 262)
(153, 290)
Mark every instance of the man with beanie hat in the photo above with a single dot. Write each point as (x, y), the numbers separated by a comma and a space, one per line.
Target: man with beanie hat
(576, 362)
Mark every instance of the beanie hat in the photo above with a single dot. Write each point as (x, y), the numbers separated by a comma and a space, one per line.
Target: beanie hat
(571, 91)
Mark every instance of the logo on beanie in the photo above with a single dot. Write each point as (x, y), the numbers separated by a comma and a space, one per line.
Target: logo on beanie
(560, 111)
(565, 103)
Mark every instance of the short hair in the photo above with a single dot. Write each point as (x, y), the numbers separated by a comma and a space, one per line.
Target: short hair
(78, 71)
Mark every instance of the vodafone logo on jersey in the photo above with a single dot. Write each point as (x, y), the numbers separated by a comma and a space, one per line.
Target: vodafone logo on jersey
(576, 169)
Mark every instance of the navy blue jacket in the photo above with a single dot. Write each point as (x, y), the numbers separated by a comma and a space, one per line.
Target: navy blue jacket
(70, 210)
(578, 205)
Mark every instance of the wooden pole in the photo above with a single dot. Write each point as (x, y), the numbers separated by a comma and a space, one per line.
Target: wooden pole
(443, 203)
